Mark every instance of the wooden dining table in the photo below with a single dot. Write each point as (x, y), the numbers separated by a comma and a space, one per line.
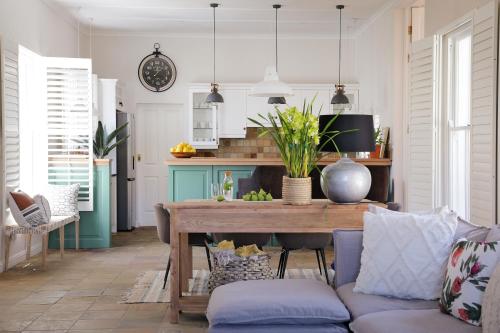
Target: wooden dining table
(210, 216)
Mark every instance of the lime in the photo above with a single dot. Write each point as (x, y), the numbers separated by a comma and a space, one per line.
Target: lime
(220, 198)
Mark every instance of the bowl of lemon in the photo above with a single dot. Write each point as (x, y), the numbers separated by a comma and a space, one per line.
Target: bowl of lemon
(183, 150)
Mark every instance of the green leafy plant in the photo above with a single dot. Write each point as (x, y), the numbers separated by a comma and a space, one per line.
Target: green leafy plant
(103, 143)
(298, 137)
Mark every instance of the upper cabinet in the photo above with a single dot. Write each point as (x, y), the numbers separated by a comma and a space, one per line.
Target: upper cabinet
(208, 123)
(232, 114)
(203, 132)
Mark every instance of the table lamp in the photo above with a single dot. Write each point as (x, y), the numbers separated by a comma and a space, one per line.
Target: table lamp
(345, 181)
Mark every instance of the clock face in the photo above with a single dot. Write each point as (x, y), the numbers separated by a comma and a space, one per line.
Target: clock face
(157, 72)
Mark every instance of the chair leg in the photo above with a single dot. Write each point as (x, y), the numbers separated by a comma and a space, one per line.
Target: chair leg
(207, 250)
(28, 246)
(285, 261)
(166, 273)
(6, 253)
(317, 258)
(280, 263)
(325, 269)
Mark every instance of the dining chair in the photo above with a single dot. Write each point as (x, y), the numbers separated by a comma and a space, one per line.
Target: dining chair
(163, 229)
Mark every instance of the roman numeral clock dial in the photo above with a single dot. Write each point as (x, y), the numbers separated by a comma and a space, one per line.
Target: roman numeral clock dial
(156, 71)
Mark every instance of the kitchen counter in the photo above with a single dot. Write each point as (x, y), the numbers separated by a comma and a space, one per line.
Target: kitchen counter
(262, 161)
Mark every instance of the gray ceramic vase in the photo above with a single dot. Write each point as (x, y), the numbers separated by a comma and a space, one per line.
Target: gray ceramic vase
(346, 182)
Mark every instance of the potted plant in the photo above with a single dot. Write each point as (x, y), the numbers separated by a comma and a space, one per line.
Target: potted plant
(103, 143)
(297, 140)
(379, 140)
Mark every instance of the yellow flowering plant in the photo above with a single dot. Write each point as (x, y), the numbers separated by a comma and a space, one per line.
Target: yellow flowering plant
(298, 137)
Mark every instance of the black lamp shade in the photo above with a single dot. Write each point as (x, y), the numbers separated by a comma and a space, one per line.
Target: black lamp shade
(360, 140)
(276, 100)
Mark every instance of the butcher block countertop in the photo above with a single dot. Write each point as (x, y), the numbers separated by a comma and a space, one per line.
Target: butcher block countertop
(171, 161)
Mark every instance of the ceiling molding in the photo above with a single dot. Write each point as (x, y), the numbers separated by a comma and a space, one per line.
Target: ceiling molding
(113, 33)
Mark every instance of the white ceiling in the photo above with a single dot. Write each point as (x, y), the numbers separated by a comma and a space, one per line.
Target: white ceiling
(234, 17)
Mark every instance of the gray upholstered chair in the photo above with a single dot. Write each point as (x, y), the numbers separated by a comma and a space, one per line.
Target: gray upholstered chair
(163, 228)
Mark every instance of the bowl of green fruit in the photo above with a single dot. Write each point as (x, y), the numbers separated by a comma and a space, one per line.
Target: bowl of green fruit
(258, 196)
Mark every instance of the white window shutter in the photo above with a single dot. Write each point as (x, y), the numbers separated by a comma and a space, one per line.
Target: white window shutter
(69, 125)
(10, 105)
(483, 115)
(421, 136)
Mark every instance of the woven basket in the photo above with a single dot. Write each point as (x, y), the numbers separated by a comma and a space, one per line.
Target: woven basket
(239, 269)
(296, 191)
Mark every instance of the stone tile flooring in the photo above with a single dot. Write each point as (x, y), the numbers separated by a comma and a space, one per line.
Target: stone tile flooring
(81, 293)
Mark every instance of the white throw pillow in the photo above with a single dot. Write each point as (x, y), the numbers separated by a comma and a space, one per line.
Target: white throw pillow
(405, 255)
(63, 199)
(44, 205)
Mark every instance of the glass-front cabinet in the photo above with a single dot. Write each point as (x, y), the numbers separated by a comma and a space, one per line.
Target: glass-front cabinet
(203, 133)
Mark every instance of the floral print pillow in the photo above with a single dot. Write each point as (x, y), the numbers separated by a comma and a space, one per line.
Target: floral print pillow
(469, 269)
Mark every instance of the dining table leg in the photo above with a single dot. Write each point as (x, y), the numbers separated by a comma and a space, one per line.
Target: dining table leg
(174, 269)
(186, 262)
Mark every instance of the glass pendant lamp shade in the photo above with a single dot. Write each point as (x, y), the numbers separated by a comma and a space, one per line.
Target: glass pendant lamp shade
(276, 100)
(271, 86)
(340, 97)
(214, 96)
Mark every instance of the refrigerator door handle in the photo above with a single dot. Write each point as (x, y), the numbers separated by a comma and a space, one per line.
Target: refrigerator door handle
(131, 179)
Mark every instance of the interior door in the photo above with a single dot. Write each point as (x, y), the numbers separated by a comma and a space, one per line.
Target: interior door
(157, 129)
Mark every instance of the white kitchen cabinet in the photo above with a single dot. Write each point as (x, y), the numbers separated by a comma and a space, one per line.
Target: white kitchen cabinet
(203, 131)
(256, 106)
(232, 114)
(322, 94)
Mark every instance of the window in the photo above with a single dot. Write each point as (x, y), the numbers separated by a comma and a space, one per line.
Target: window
(55, 122)
(457, 59)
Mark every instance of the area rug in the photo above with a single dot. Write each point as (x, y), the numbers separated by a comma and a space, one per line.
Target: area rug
(149, 285)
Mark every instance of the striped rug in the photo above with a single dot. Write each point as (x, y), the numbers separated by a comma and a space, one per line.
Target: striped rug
(149, 285)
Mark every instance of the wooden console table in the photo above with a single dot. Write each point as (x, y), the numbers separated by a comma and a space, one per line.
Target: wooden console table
(239, 216)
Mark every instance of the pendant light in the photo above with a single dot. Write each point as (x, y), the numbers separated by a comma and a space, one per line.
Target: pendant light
(214, 96)
(340, 97)
(276, 100)
(271, 86)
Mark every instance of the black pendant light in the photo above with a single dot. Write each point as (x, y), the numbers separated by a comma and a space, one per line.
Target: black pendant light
(214, 96)
(276, 100)
(340, 97)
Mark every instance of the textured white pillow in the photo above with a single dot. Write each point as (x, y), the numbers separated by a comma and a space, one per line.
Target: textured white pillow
(63, 199)
(405, 255)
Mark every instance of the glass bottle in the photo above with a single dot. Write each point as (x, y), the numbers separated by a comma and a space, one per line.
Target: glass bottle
(228, 185)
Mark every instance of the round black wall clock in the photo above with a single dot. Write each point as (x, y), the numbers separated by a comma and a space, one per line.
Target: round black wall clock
(156, 71)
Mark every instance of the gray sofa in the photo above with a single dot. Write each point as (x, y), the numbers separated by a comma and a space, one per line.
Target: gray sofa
(379, 314)
(309, 306)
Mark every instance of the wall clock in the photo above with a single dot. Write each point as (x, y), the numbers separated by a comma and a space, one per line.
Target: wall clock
(156, 71)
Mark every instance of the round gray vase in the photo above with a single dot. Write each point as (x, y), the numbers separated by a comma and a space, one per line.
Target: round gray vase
(346, 182)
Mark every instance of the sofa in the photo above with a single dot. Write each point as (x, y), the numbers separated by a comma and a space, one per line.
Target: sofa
(310, 306)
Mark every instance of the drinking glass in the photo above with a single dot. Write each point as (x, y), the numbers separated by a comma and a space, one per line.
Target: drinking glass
(217, 190)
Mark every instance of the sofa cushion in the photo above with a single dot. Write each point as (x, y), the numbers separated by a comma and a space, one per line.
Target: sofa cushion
(360, 304)
(275, 302)
(325, 328)
(470, 231)
(469, 269)
(411, 321)
(404, 255)
(490, 312)
(493, 234)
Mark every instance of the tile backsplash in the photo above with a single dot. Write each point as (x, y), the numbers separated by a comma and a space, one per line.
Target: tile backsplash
(252, 146)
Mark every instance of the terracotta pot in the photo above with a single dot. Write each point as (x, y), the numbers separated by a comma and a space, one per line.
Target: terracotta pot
(376, 153)
(297, 191)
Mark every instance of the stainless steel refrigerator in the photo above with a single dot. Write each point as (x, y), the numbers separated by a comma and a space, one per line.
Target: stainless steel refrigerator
(125, 174)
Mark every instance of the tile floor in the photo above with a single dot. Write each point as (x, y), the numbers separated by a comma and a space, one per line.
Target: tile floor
(82, 292)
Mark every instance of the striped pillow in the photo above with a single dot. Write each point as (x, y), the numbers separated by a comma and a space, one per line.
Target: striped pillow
(25, 210)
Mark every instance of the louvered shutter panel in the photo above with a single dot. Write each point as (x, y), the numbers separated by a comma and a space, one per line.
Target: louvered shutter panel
(10, 100)
(69, 125)
(420, 188)
(483, 116)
